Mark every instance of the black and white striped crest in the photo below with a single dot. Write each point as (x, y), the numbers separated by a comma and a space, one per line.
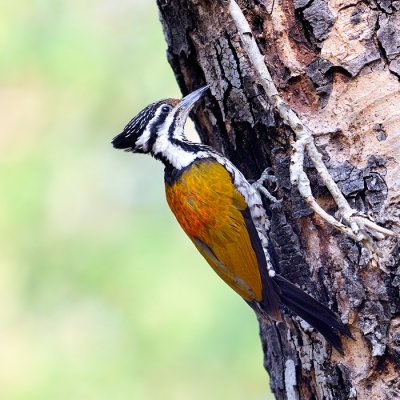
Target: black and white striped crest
(138, 124)
(142, 129)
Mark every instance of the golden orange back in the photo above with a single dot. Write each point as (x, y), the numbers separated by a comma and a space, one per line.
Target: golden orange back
(210, 210)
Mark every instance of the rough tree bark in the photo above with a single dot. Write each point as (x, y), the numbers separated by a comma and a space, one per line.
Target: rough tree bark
(337, 64)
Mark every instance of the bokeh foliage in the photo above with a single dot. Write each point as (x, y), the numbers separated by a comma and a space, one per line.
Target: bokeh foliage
(101, 294)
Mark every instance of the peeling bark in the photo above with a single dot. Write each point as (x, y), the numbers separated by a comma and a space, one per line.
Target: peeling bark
(337, 64)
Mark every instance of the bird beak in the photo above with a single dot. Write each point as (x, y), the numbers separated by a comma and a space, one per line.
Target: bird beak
(187, 103)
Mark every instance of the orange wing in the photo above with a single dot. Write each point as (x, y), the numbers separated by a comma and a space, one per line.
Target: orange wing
(211, 211)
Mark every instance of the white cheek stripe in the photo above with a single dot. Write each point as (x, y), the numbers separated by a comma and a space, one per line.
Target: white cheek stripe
(176, 155)
(169, 120)
(143, 139)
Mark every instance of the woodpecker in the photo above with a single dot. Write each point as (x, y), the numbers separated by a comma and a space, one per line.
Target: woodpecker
(222, 214)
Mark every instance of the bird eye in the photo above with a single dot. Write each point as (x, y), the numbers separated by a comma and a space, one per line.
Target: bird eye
(166, 108)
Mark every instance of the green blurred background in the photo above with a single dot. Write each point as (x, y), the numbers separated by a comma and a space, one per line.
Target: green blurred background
(101, 294)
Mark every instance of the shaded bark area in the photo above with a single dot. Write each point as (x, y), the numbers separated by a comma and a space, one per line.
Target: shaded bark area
(336, 64)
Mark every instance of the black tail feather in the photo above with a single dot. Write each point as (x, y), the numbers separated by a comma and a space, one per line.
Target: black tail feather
(315, 313)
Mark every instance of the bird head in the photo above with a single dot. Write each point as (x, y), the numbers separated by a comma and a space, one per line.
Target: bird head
(164, 118)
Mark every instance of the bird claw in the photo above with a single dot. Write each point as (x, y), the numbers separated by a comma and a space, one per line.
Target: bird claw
(269, 177)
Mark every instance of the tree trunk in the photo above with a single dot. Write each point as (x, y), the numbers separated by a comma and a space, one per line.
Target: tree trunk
(337, 65)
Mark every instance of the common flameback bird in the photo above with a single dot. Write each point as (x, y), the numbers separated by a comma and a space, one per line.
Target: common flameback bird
(221, 212)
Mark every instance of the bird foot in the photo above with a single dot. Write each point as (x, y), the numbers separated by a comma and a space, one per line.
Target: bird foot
(269, 177)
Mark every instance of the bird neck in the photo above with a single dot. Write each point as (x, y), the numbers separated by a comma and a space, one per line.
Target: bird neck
(175, 151)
